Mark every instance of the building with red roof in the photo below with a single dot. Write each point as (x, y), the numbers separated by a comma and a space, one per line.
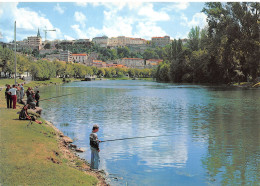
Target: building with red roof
(79, 58)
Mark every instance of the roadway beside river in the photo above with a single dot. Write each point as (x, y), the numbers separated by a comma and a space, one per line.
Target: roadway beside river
(38, 154)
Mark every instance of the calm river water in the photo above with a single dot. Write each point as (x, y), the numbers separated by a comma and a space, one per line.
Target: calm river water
(206, 135)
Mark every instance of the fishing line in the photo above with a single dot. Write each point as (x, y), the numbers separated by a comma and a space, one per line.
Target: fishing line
(135, 138)
(61, 96)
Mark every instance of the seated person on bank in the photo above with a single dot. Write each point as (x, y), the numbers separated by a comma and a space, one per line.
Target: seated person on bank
(25, 116)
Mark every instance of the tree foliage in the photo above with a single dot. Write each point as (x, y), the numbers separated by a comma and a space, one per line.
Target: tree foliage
(226, 50)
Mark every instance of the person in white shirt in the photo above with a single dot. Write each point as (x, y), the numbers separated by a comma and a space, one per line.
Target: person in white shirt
(12, 92)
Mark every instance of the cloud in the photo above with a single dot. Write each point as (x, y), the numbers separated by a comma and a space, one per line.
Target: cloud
(148, 30)
(181, 5)
(177, 6)
(66, 37)
(80, 17)
(59, 9)
(82, 4)
(198, 19)
(27, 22)
(152, 15)
(122, 18)
(80, 33)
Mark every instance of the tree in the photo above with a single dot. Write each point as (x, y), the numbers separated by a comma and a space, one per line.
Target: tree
(193, 38)
(47, 46)
(234, 32)
(123, 52)
(35, 52)
(6, 60)
(101, 72)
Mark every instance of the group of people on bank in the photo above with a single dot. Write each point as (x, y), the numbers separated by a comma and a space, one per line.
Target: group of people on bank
(16, 93)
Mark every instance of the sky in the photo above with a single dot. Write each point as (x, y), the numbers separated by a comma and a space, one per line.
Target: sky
(85, 20)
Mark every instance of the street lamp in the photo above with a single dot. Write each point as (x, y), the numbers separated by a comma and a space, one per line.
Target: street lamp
(15, 53)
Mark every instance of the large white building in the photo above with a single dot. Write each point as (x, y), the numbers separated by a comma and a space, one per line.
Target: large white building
(35, 41)
(65, 56)
(133, 62)
(79, 58)
(101, 41)
(119, 41)
(161, 41)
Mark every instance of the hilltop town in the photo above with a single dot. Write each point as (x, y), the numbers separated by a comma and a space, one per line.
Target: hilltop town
(136, 52)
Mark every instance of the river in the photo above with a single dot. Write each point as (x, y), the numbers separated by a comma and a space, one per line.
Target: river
(207, 135)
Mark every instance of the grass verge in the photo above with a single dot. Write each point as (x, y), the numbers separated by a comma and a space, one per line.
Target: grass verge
(32, 155)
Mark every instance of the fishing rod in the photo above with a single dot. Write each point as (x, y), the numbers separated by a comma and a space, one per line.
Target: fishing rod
(134, 138)
(61, 96)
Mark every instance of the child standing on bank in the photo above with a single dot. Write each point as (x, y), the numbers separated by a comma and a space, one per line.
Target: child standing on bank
(94, 146)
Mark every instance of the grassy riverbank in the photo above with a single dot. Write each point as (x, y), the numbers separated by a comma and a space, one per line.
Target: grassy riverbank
(36, 155)
(52, 81)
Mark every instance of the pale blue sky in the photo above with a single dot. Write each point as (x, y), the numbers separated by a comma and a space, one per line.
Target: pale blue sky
(89, 19)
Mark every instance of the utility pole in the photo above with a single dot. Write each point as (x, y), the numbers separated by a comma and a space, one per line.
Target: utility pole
(15, 52)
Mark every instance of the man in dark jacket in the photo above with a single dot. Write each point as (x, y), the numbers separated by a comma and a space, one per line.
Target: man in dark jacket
(37, 98)
(94, 146)
(8, 97)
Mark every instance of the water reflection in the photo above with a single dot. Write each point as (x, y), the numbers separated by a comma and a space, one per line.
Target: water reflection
(214, 134)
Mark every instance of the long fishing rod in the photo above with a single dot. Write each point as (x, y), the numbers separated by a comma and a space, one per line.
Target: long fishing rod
(134, 138)
(61, 96)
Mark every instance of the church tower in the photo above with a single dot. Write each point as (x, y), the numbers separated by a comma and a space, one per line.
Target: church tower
(38, 34)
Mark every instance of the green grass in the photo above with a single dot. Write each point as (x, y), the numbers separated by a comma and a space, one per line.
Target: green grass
(26, 153)
(3, 82)
(52, 81)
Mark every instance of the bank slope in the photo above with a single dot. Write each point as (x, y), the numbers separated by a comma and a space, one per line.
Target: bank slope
(31, 156)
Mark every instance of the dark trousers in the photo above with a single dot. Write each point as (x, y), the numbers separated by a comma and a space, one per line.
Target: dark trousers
(9, 102)
(14, 98)
(37, 103)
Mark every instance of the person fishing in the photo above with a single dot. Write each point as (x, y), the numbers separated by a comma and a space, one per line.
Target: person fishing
(25, 116)
(94, 147)
(31, 100)
(37, 98)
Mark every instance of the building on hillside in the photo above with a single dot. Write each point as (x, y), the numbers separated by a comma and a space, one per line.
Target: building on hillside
(122, 41)
(82, 41)
(113, 42)
(79, 58)
(92, 56)
(161, 41)
(150, 63)
(98, 63)
(136, 41)
(133, 62)
(119, 66)
(67, 42)
(65, 56)
(34, 42)
(101, 41)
